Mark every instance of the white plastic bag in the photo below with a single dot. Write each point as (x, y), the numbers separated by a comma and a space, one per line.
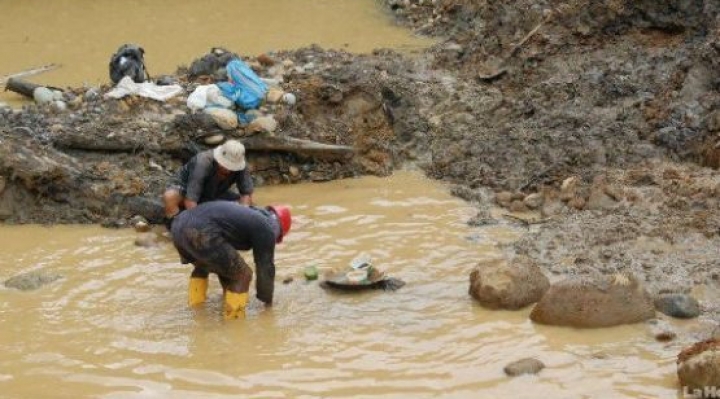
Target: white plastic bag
(126, 86)
(215, 98)
(207, 96)
(198, 98)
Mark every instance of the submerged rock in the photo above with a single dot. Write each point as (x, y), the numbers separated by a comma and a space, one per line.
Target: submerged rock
(665, 336)
(32, 280)
(147, 240)
(498, 284)
(600, 302)
(142, 226)
(524, 366)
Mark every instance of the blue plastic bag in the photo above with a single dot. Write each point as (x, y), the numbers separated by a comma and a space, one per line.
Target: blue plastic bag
(244, 87)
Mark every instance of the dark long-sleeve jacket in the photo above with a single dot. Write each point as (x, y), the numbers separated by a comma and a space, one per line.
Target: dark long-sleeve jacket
(200, 182)
(243, 228)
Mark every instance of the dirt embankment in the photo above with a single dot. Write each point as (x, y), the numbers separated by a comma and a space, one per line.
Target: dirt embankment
(616, 99)
(104, 160)
(621, 97)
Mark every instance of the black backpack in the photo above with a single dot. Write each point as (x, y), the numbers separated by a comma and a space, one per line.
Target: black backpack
(129, 61)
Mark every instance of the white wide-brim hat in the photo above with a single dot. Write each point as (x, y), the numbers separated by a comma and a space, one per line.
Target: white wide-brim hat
(230, 155)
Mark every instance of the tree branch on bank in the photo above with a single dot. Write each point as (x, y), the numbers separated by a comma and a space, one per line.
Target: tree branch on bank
(77, 140)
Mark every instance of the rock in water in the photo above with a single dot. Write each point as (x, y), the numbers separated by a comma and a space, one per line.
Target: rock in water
(497, 284)
(147, 240)
(600, 302)
(524, 366)
(31, 280)
(142, 227)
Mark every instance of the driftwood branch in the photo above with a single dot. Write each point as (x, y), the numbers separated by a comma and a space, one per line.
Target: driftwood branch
(527, 37)
(527, 221)
(29, 72)
(24, 87)
(78, 140)
(501, 69)
(298, 146)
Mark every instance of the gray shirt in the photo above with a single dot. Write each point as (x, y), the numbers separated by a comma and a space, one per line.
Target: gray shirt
(200, 182)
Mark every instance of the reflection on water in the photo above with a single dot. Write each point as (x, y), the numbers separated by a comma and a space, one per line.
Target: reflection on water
(117, 327)
(81, 35)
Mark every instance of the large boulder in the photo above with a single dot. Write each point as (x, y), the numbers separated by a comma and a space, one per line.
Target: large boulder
(600, 302)
(499, 284)
(698, 368)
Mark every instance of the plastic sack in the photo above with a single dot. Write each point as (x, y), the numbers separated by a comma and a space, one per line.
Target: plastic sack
(126, 86)
(207, 96)
(244, 87)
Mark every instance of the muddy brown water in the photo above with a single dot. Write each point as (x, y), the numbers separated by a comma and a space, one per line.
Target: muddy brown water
(81, 35)
(116, 325)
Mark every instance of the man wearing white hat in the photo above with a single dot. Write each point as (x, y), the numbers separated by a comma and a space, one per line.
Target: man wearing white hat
(209, 176)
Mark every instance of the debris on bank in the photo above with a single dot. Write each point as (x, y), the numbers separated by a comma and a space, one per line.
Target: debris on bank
(101, 159)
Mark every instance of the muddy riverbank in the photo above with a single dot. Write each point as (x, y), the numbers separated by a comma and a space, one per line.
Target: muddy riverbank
(608, 111)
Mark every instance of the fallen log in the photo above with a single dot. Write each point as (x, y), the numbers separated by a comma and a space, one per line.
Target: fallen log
(29, 72)
(21, 87)
(308, 148)
(77, 140)
(24, 87)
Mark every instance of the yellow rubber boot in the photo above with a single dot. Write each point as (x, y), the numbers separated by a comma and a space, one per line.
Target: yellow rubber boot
(235, 305)
(197, 291)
